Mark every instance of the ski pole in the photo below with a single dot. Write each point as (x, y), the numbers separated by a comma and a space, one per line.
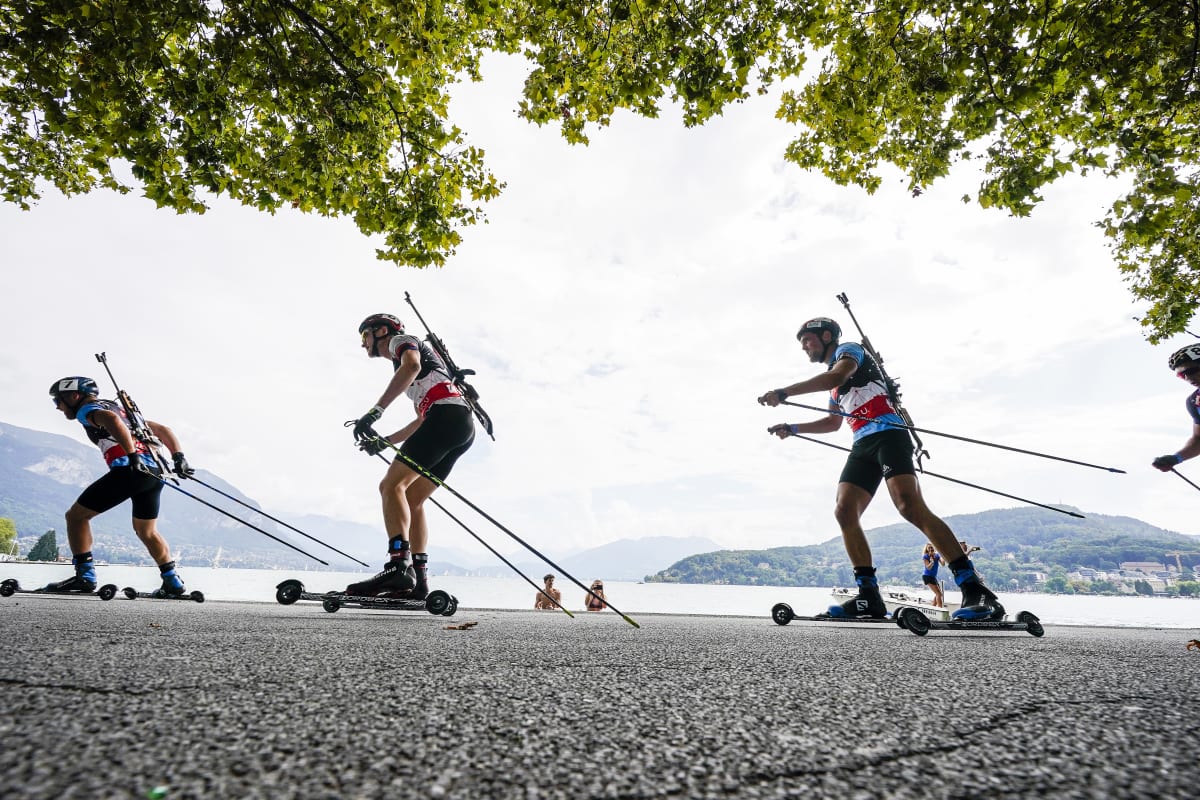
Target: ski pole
(275, 519)
(439, 482)
(950, 436)
(954, 480)
(1184, 478)
(239, 519)
(493, 551)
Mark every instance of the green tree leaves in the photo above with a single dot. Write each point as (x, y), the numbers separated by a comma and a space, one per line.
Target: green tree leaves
(341, 107)
(46, 547)
(8, 536)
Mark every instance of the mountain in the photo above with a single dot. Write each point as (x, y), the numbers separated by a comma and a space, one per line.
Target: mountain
(1016, 543)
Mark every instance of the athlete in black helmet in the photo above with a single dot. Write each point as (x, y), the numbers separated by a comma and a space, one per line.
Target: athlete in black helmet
(1185, 362)
(881, 452)
(443, 430)
(133, 475)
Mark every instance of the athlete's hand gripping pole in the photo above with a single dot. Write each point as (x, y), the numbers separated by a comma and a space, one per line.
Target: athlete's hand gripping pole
(439, 482)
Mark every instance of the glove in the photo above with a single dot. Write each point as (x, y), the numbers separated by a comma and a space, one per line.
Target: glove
(782, 430)
(362, 426)
(136, 465)
(372, 445)
(182, 468)
(773, 398)
(1165, 463)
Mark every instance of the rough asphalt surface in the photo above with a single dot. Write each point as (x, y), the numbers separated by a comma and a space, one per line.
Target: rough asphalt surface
(144, 698)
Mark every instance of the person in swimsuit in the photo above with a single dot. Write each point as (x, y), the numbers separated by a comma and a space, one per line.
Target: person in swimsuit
(594, 604)
(547, 603)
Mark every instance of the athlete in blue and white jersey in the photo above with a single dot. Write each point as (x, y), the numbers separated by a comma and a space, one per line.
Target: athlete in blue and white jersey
(881, 451)
(107, 427)
(442, 431)
(1185, 362)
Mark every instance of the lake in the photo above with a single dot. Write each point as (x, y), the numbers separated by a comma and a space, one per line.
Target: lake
(258, 585)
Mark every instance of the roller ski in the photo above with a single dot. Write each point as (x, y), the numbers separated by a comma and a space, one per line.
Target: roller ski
(782, 614)
(172, 588)
(865, 607)
(914, 619)
(437, 602)
(71, 587)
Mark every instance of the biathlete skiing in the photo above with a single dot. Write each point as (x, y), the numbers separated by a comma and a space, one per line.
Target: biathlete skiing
(881, 451)
(1185, 363)
(442, 431)
(133, 474)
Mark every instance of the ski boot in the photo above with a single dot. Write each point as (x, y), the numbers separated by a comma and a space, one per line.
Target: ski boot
(867, 604)
(396, 580)
(172, 585)
(979, 603)
(84, 581)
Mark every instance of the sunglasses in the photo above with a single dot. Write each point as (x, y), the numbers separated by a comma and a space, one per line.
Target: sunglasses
(1188, 372)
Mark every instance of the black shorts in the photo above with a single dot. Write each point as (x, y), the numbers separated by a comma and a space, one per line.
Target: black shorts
(929, 580)
(446, 433)
(881, 455)
(119, 485)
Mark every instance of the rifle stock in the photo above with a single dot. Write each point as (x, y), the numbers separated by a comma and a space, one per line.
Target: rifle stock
(137, 423)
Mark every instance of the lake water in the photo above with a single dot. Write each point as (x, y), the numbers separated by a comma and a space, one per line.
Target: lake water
(258, 585)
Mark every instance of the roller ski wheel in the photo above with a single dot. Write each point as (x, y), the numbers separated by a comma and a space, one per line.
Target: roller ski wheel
(108, 591)
(9, 587)
(288, 592)
(1032, 624)
(450, 609)
(130, 592)
(437, 601)
(914, 620)
(782, 613)
(331, 605)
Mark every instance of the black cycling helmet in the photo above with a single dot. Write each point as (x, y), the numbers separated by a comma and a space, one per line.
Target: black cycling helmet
(381, 320)
(1184, 356)
(75, 383)
(817, 325)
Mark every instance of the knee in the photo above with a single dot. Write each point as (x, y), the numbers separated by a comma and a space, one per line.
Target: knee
(845, 512)
(77, 515)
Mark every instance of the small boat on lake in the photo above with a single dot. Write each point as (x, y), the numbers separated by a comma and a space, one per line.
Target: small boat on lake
(895, 598)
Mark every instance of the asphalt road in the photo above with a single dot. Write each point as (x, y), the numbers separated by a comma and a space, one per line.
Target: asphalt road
(136, 699)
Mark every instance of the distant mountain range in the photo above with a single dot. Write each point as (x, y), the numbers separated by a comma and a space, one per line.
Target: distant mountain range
(1017, 544)
(42, 473)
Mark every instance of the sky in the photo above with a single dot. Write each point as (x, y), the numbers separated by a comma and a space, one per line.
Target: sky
(624, 306)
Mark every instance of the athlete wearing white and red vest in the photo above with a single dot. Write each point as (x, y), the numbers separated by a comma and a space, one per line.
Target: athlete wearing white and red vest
(863, 395)
(432, 386)
(114, 453)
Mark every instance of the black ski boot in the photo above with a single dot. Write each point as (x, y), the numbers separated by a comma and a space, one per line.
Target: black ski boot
(867, 604)
(76, 584)
(396, 580)
(172, 584)
(979, 603)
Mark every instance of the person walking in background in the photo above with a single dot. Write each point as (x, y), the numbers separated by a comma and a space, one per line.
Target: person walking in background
(442, 431)
(596, 603)
(932, 559)
(133, 474)
(549, 598)
(881, 452)
(1185, 362)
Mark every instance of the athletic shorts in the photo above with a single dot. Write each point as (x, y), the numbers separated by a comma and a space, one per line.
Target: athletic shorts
(880, 455)
(929, 580)
(119, 485)
(446, 433)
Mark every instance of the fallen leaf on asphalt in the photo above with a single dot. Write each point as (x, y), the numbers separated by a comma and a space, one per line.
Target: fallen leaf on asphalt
(466, 626)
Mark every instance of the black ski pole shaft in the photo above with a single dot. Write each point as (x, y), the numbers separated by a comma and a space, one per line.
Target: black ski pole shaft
(955, 480)
(439, 482)
(202, 501)
(275, 519)
(491, 549)
(1184, 478)
(953, 436)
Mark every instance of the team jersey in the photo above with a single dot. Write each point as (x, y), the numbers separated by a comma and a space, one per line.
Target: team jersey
(1193, 406)
(432, 386)
(114, 454)
(863, 394)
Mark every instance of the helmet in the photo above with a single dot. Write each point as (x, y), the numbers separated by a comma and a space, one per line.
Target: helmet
(75, 383)
(376, 320)
(817, 325)
(1184, 355)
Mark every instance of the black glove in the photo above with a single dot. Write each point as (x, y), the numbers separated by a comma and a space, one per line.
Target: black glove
(362, 427)
(137, 465)
(182, 468)
(1166, 462)
(372, 445)
(782, 430)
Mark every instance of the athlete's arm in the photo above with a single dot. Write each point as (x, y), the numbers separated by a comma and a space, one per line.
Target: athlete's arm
(111, 421)
(1190, 449)
(165, 435)
(838, 374)
(405, 432)
(402, 378)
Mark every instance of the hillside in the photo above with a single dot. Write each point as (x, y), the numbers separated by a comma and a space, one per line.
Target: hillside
(1016, 543)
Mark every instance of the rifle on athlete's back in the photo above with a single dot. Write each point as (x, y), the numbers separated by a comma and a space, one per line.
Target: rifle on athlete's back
(137, 424)
(457, 375)
(893, 387)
